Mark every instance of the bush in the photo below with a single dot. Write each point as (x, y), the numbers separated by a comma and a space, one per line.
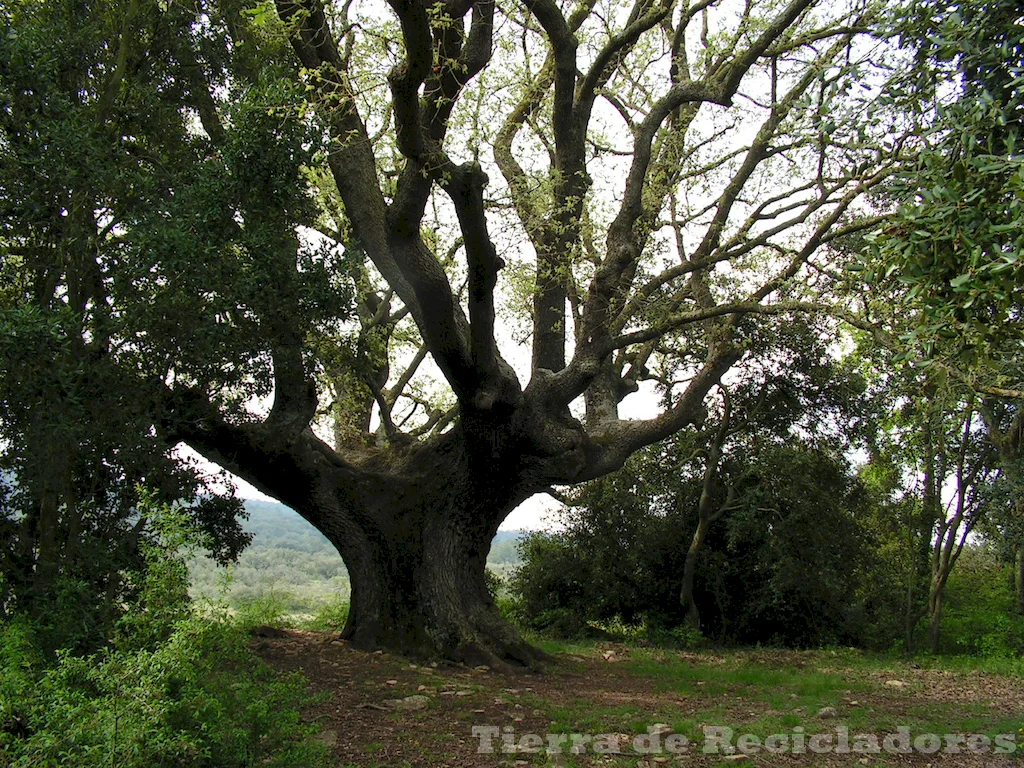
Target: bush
(330, 615)
(786, 566)
(271, 608)
(168, 689)
(549, 589)
(199, 699)
(979, 614)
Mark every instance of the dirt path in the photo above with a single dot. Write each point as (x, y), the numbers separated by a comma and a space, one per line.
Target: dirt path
(382, 710)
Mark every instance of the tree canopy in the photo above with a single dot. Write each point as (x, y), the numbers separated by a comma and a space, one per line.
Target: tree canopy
(307, 239)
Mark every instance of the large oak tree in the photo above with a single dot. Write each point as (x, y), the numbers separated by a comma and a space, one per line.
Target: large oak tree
(628, 187)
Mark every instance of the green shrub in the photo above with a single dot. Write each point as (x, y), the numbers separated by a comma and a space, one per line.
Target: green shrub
(19, 661)
(271, 608)
(548, 590)
(681, 636)
(979, 615)
(495, 584)
(168, 688)
(201, 698)
(782, 568)
(330, 615)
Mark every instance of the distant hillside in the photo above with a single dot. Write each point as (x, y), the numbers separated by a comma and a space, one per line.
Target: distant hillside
(292, 561)
(505, 548)
(273, 524)
(276, 525)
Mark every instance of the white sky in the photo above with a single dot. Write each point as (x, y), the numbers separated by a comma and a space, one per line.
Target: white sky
(540, 511)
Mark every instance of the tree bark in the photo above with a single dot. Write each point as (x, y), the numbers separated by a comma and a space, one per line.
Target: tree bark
(416, 561)
(935, 619)
(705, 515)
(919, 587)
(413, 524)
(689, 569)
(1020, 580)
(910, 619)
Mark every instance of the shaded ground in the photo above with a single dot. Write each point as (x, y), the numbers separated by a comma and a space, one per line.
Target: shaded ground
(368, 719)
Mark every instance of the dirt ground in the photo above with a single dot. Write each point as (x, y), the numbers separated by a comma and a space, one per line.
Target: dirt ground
(367, 717)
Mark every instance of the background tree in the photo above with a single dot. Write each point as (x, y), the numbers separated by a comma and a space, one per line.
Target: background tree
(957, 456)
(788, 562)
(955, 243)
(791, 389)
(945, 272)
(708, 511)
(791, 564)
(936, 474)
(92, 141)
(666, 170)
(1004, 525)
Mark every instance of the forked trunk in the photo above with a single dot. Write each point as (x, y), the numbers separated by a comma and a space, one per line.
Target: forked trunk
(414, 521)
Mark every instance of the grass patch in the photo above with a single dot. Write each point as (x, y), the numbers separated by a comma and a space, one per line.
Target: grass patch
(766, 692)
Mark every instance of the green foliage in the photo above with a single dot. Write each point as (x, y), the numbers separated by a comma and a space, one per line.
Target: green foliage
(288, 562)
(504, 548)
(956, 242)
(981, 617)
(169, 689)
(96, 584)
(200, 698)
(331, 615)
(786, 559)
(789, 566)
(550, 591)
(270, 609)
(115, 213)
(493, 582)
(796, 555)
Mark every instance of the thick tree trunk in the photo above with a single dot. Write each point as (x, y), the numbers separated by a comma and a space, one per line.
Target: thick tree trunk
(415, 539)
(426, 595)
(414, 521)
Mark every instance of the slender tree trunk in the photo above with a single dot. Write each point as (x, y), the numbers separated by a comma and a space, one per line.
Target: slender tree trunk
(1020, 580)
(921, 544)
(47, 535)
(705, 515)
(952, 531)
(689, 569)
(908, 633)
(935, 616)
(918, 586)
(911, 618)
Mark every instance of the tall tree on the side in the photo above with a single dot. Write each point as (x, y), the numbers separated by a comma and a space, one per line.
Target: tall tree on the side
(947, 271)
(96, 157)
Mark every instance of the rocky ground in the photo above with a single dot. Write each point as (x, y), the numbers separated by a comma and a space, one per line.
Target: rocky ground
(644, 708)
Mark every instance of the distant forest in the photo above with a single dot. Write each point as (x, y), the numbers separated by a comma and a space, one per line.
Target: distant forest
(290, 562)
